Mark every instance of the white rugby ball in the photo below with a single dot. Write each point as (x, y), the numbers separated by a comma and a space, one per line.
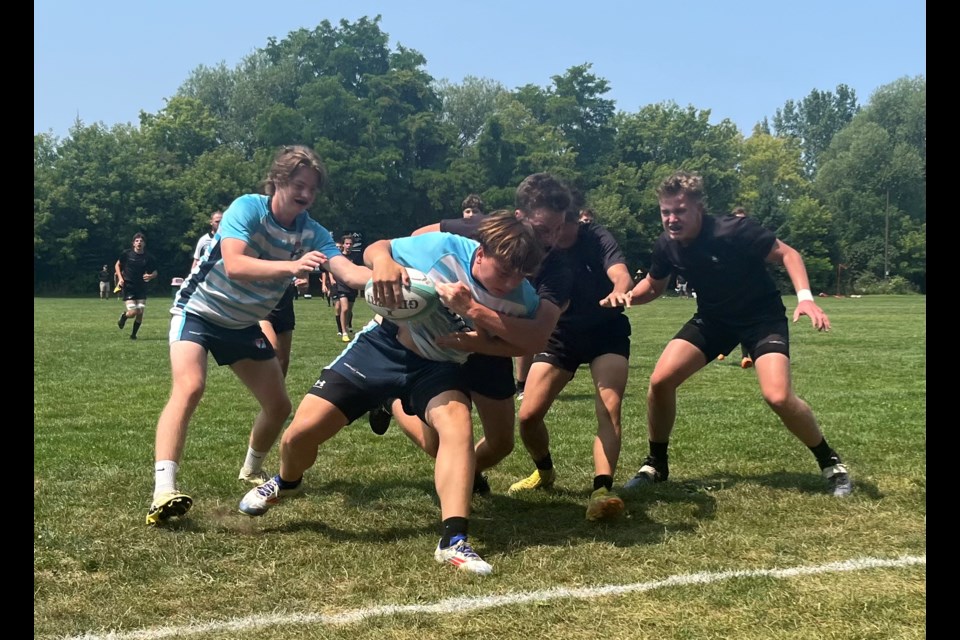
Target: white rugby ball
(419, 299)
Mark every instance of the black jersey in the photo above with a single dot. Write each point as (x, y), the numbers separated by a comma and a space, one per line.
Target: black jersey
(553, 280)
(589, 258)
(726, 265)
(133, 266)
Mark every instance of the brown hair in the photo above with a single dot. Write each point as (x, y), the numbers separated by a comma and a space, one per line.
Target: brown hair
(287, 161)
(511, 241)
(473, 201)
(542, 190)
(690, 184)
(740, 212)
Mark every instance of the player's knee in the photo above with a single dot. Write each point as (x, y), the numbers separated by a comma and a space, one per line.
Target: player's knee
(780, 400)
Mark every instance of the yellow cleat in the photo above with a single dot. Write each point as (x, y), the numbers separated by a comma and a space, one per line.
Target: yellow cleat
(168, 505)
(604, 505)
(536, 480)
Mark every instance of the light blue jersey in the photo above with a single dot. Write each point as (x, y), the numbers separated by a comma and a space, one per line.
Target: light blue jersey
(447, 257)
(210, 294)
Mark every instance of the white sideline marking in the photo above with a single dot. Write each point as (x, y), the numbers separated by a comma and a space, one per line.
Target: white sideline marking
(460, 605)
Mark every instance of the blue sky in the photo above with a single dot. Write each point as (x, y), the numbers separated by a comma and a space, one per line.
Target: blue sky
(107, 60)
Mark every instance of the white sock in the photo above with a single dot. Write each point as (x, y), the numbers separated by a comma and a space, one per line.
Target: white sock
(254, 461)
(164, 476)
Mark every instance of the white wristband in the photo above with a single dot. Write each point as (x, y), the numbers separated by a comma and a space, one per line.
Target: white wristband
(804, 295)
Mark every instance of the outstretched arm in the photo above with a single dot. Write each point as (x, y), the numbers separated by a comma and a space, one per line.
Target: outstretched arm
(792, 261)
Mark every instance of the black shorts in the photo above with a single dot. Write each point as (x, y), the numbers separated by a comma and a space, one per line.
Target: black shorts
(490, 376)
(567, 349)
(713, 337)
(282, 317)
(226, 345)
(375, 366)
(134, 292)
(341, 291)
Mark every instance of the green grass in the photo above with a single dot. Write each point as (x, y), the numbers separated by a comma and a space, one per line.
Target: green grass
(743, 495)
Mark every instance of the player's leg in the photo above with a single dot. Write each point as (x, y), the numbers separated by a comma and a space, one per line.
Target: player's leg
(609, 372)
(188, 368)
(140, 307)
(679, 360)
(545, 381)
(449, 414)
(264, 379)
(773, 373)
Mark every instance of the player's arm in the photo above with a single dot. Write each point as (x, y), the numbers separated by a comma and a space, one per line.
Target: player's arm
(791, 260)
(347, 272)
(389, 276)
(430, 228)
(241, 264)
(480, 341)
(529, 335)
(118, 272)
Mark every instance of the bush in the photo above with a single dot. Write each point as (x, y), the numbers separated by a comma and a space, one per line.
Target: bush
(868, 283)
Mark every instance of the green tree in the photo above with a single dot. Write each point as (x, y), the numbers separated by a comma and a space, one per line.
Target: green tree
(814, 121)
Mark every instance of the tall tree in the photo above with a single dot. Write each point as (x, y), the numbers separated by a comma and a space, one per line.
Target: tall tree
(466, 106)
(814, 121)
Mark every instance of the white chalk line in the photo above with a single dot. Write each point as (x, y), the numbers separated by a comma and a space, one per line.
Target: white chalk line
(465, 604)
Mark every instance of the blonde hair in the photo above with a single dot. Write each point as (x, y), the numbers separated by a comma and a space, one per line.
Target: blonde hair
(512, 241)
(287, 161)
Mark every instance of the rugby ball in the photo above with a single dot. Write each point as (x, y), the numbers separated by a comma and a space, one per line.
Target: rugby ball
(419, 299)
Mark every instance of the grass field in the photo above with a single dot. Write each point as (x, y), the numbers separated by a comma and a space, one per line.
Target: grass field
(353, 557)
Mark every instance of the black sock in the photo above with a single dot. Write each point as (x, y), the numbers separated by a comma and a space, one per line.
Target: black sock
(136, 327)
(455, 527)
(339, 326)
(826, 457)
(123, 320)
(293, 484)
(520, 385)
(603, 481)
(658, 450)
(545, 463)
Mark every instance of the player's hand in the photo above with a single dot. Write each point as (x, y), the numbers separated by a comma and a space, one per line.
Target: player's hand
(455, 296)
(308, 262)
(617, 300)
(817, 317)
(389, 278)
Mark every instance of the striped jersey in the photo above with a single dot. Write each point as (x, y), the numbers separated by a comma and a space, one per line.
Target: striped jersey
(209, 293)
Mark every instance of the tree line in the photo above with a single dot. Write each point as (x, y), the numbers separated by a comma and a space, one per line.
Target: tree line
(843, 183)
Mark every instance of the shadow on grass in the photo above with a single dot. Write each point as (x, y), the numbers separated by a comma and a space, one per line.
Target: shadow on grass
(806, 483)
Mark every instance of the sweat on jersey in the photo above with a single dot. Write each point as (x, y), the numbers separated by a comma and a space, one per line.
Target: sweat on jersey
(209, 293)
(447, 257)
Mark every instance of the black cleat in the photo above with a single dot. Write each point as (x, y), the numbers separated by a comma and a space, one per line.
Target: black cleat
(379, 418)
(651, 471)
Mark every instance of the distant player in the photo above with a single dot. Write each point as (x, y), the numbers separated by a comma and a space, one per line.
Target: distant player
(134, 269)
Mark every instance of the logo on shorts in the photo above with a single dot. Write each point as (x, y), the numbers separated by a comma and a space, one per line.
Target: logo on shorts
(260, 343)
(319, 384)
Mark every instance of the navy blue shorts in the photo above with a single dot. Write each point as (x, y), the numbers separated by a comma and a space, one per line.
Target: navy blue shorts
(713, 337)
(375, 366)
(226, 345)
(567, 349)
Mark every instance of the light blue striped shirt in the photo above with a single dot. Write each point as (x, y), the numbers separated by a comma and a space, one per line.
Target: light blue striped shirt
(447, 257)
(209, 293)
